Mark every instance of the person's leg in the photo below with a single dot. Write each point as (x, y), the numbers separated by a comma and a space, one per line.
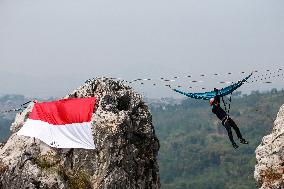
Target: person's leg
(237, 130)
(226, 124)
(235, 127)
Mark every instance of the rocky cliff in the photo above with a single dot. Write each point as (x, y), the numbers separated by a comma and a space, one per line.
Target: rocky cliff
(269, 170)
(125, 157)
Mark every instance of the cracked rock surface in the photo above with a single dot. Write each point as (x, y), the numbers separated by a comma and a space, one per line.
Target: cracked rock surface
(269, 170)
(125, 155)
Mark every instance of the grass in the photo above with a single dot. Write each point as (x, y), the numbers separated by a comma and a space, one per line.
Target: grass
(75, 179)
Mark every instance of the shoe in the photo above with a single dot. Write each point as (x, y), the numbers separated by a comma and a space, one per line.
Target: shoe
(243, 141)
(235, 145)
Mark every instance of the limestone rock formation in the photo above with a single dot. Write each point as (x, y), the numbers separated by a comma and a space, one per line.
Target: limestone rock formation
(269, 170)
(125, 157)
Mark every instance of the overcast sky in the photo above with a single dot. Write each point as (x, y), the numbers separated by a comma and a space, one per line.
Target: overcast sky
(48, 48)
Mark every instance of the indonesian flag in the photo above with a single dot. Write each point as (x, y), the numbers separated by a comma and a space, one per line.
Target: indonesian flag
(62, 124)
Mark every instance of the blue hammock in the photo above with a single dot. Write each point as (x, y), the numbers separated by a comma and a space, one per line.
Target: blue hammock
(222, 92)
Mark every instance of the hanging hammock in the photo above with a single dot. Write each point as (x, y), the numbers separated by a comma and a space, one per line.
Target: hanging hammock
(221, 92)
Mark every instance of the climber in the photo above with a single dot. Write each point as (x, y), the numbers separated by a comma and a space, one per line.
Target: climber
(227, 122)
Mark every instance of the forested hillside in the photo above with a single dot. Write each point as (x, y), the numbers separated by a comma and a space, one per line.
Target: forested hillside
(195, 150)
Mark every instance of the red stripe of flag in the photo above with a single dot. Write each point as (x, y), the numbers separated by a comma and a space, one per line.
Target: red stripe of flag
(66, 111)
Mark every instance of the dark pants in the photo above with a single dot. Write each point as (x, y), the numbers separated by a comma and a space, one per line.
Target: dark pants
(228, 123)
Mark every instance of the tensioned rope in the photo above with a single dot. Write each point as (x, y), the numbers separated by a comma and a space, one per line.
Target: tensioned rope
(21, 107)
(170, 81)
(263, 78)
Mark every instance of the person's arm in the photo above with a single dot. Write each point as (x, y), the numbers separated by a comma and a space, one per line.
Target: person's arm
(217, 97)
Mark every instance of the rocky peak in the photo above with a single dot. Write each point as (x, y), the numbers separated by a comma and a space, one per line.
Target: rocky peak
(269, 170)
(125, 157)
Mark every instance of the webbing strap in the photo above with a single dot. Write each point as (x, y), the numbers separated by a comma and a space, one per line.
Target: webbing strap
(229, 105)
(22, 107)
(230, 101)
(225, 106)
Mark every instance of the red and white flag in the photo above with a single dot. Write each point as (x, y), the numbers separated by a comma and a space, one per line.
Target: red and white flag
(62, 124)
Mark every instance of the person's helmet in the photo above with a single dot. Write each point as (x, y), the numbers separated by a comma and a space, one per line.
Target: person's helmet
(212, 100)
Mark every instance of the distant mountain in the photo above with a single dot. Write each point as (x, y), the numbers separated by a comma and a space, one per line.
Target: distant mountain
(162, 102)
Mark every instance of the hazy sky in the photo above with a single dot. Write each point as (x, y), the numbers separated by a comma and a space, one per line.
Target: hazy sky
(48, 48)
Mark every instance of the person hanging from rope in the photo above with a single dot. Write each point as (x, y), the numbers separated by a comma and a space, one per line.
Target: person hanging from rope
(227, 122)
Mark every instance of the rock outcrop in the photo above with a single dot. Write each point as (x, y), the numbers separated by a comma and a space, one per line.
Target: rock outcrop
(269, 170)
(125, 157)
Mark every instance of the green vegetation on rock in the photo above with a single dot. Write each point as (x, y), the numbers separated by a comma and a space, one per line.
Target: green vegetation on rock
(76, 179)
